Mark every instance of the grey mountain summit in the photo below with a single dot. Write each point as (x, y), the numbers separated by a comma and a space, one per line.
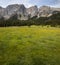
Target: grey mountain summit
(24, 13)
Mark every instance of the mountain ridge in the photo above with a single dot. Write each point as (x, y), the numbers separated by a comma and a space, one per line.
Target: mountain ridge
(24, 13)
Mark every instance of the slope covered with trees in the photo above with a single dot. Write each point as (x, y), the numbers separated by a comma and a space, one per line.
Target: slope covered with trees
(53, 20)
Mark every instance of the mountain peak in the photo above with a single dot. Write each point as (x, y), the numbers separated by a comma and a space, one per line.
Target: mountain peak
(24, 12)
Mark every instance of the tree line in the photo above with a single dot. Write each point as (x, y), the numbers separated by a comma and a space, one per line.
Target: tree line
(53, 20)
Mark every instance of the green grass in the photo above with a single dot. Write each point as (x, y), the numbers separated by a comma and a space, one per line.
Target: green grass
(33, 45)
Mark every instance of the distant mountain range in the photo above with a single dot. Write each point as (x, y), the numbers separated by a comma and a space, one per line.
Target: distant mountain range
(24, 13)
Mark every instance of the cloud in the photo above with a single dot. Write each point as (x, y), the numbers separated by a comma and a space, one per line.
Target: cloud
(57, 3)
(29, 3)
(25, 2)
(5, 3)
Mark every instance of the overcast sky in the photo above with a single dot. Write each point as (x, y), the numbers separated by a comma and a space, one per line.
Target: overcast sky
(28, 3)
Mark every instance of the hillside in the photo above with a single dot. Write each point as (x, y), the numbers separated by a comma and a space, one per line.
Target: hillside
(24, 13)
(53, 20)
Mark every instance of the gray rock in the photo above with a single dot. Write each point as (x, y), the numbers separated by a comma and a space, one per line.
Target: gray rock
(24, 13)
(46, 11)
(33, 11)
(2, 11)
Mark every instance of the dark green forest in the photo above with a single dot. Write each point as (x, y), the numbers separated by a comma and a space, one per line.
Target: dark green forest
(53, 20)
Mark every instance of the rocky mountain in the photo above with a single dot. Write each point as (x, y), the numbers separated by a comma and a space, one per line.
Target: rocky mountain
(46, 11)
(24, 13)
(32, 11)
(20, 10)
(10, 10)
(1, 12)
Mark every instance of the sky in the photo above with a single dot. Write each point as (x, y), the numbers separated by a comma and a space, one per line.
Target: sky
(28, 3)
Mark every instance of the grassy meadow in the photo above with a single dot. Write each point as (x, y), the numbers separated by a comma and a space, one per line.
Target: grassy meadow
(33, 45)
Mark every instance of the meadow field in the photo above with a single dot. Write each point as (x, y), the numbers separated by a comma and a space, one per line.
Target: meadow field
(33, 45)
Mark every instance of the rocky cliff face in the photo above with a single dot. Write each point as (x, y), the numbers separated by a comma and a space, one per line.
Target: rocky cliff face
(33, 11)
(46, 11)
(20, 10)
(1, 12)
(24, 13)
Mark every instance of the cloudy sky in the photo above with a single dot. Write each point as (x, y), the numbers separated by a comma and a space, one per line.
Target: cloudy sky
(28, 3)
